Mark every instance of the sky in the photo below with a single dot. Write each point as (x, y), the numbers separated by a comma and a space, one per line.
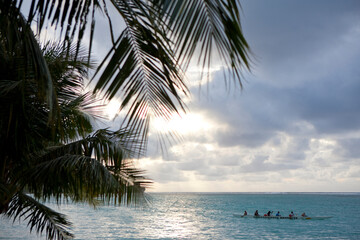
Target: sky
(295, 125)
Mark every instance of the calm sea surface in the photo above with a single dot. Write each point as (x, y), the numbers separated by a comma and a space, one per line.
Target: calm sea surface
(210, 216)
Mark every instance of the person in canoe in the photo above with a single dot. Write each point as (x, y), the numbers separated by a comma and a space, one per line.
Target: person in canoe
(245, 213)
(269, 213)
(303, 214)
(278, 214)
(256, 213)
(291, 214)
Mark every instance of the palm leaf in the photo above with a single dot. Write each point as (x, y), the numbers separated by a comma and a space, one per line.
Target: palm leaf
(77, 110)
(71, 16)
(78, 115)
(89, 169)
(141, 69)
(68, 68)
(77, 177)
(17, 38)
(208, 26)
(39, 217)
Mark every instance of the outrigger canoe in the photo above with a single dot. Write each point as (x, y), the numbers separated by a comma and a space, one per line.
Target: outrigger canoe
(281, 217)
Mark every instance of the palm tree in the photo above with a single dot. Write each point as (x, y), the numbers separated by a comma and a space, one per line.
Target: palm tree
(145, 67)
(61, 159)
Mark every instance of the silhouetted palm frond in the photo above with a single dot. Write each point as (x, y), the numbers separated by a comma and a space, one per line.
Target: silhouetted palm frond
(93, 168)
(213, 27)
(39, 217)
(17, 39)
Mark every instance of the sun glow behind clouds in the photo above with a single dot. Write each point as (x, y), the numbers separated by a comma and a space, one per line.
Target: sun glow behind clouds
(112, 108)
(186, 124)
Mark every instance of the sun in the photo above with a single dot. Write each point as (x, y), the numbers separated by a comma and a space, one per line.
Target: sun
(184, 125)
(112, 108)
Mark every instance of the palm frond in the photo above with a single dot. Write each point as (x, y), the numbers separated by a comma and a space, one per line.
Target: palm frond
(78, 115)
(91, 168)
(142, 69)
(5, 196)
(77, 110)
(17, 39)
(39, 217)
(77, 177)
(208, 26)
(71, 16)
(68, 68)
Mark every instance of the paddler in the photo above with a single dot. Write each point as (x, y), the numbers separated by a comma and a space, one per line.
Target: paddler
(245, 213)
(256, 213)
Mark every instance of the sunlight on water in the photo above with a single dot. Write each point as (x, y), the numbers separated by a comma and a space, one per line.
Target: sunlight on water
(210, 216)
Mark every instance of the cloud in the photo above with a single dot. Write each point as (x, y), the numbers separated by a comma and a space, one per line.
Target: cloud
(296, 124)
(349, 149)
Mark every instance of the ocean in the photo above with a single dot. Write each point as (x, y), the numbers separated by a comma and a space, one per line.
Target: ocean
(210, 216)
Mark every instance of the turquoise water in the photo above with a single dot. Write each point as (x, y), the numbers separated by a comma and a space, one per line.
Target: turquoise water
(210, 216)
